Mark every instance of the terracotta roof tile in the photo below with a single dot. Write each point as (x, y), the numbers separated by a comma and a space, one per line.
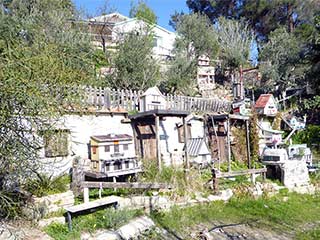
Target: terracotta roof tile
(262, 100)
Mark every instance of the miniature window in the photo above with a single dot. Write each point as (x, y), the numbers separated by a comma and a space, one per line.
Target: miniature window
(125, 147)
(127, 164)
(108, 167)
(116, 148)
(94, 150)
(56, 143)
(117, 166)
(107, 148)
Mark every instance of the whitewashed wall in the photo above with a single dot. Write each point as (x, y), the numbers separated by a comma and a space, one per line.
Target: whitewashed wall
(170, 147)
(81, 128)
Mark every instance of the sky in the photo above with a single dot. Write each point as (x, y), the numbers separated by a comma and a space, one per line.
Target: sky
(162, 8)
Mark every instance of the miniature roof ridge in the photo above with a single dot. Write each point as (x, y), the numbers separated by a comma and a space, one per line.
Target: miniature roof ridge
(111, 137)
(152, 91)
(263, 100)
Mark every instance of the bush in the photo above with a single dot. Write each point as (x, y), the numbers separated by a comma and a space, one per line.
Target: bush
(44, 185)
(104, 219)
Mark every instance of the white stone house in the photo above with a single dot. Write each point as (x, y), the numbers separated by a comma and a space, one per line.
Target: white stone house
(114, 26)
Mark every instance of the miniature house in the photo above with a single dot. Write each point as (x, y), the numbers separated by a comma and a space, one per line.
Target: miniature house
(198, 151)
(296, 123)
(266, 105)
(242, 107)
(113, 155)
(152, 99)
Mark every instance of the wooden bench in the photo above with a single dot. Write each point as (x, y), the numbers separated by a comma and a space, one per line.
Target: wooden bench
(112, 200)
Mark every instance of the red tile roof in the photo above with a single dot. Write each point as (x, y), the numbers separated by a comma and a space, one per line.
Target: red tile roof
(262, 100)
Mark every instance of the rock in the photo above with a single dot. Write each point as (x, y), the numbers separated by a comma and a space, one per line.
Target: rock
(305, 189)
(45, 222)
(135, 227)
(100, 235)
(226, 194)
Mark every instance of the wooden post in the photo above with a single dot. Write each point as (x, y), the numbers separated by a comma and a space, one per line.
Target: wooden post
(218, 145)
(215, 182)
(157, 123)
(248, 144)
(185, 132)
(186, 154)
(69, 219)
(85, 195)
(100, 190)
(228, 143)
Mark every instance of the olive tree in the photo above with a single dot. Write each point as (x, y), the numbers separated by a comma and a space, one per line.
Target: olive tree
(41, 54)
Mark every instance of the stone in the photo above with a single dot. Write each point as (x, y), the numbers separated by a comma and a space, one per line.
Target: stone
(45, 222)
(135, 227)
(100, 235)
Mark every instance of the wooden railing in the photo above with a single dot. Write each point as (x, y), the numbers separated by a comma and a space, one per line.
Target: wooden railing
(129, 100)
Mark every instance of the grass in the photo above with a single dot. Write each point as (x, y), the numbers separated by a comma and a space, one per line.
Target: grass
(313, 234)
(267, 212)
(176, 177)
(103, 219)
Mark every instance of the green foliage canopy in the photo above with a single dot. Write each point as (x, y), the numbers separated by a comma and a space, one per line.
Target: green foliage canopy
(142, 11)
(41, 54)
(133, 63)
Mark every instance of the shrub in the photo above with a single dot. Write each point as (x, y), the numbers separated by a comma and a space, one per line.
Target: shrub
(44, 185)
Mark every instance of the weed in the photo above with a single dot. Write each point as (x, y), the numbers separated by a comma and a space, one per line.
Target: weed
(44, 185)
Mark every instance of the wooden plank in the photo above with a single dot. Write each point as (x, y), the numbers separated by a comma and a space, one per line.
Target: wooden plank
(240, 173)
(135, 185)
(93, 204)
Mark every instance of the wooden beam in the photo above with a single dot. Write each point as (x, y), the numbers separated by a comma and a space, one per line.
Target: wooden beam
(135, 185)
(157, 123)
(186, 154)
(85, 194)
(248, 144)
(240, 173)
(228, 144)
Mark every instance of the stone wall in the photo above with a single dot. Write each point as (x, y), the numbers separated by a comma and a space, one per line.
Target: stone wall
(295, 173)
(56, 202)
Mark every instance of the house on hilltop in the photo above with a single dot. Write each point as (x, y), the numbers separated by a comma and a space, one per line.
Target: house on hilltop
(108, 30)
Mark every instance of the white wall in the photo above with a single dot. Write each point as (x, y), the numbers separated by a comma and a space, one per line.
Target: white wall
(165, 39)
(81, 129)
(170, 147)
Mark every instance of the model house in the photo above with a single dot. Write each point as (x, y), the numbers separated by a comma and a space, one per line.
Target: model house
(113, 155)
(152, 99)
(199, 152)
(266, 105)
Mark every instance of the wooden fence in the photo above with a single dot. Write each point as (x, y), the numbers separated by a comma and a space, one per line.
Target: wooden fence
(216, 175)
(129, 100)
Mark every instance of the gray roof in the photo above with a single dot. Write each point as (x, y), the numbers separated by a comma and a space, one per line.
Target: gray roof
(194, 146)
